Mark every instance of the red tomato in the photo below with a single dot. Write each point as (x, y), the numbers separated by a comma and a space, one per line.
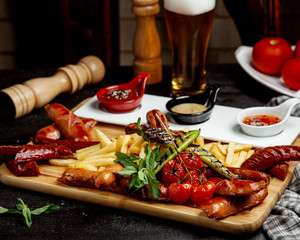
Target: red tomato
(291, 73)
(172, 172)
(179, 193)
(201, 193)
(195, 177)
(191, 160)
(297, 50)
(270, 54)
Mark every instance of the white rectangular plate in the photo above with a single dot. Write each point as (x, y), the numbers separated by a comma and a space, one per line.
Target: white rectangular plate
(221, 126)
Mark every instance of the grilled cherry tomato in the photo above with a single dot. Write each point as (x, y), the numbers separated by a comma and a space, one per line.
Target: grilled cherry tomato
(179, 193)
(270, 54)
(297, 50)
(291, 73)
(195, 177)
(201, 193)
(172, 172)
(191, 160)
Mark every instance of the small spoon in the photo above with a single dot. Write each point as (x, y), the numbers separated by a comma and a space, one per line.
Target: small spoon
(281, 111)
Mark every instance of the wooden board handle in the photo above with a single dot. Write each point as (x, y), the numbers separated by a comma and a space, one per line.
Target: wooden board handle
(20, 99)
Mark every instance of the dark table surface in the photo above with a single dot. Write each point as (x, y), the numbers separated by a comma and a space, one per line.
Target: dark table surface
(81, 220)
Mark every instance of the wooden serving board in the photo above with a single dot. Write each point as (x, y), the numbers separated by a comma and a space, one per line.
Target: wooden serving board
(244, 222)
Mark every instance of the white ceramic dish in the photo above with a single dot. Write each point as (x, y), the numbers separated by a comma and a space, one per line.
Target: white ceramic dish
(244, 54)
(221, 125)
(281, 111)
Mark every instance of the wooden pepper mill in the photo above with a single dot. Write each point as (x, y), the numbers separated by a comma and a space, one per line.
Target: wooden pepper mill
(20, 99)
(146, 43)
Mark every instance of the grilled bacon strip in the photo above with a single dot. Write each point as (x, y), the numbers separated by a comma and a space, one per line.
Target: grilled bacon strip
(68, 123)
(221, 207)
(268, 157)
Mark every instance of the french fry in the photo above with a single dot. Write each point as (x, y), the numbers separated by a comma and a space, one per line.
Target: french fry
(200, 141)
(221, 148)
(104, 140)
(136, 145)
(101, 168)
(83, 165)
(112, 147)
(249, 154)
(241, 159)
(89, 149)
(230, 154)
(61, 162)
(216, 152)
(242, 147)
(125, 143)
(100, 162)
(96, 156)
(208, 146)
(142, 151)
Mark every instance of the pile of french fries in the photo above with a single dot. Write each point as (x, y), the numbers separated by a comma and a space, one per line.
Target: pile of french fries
(230, 154)
(98, 156)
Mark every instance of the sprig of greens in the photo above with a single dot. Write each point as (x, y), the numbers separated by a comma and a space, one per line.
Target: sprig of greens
(25, 211)
(142, 169)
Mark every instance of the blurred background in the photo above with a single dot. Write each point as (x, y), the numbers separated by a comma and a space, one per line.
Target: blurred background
(52, 33)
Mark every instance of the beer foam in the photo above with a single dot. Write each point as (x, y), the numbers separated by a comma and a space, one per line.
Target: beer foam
(189, 7)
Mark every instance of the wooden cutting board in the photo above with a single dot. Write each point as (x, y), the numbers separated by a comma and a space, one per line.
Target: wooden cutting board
(244, 222)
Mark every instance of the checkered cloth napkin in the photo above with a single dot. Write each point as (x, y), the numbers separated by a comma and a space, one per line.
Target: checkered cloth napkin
(283, 223)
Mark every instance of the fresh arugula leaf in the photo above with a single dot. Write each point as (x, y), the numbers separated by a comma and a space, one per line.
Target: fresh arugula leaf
(153, 184)
(25, 211)
(141, 170)
(136, 183)
(125, 159)
(19, 206)
(128, 171)
(3, 210)
(27, 215)
(46, 209)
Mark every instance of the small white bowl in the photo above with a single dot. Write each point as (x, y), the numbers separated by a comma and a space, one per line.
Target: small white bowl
(281, 111)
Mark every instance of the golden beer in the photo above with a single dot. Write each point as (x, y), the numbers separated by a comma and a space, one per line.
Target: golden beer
(189, 35)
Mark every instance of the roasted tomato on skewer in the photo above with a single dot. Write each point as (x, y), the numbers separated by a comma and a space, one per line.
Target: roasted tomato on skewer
(172, 172)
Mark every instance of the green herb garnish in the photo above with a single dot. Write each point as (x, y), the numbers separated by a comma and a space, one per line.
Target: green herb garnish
(25, 211)
(142, 169)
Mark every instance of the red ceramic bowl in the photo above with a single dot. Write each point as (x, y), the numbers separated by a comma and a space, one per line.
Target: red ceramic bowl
(124, 97)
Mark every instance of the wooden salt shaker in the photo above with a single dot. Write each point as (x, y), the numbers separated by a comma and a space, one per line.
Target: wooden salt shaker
(20, 99)
(146, 43)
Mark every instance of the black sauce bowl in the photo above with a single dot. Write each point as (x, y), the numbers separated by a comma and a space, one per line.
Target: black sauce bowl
(207, 98)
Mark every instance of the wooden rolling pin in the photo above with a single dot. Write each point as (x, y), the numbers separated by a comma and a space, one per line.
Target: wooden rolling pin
(20, 99)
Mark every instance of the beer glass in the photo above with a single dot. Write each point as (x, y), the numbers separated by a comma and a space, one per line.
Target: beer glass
(189, 25)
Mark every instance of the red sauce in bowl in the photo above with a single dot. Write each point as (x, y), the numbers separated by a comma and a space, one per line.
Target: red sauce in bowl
(120, 95)
(261, 120)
